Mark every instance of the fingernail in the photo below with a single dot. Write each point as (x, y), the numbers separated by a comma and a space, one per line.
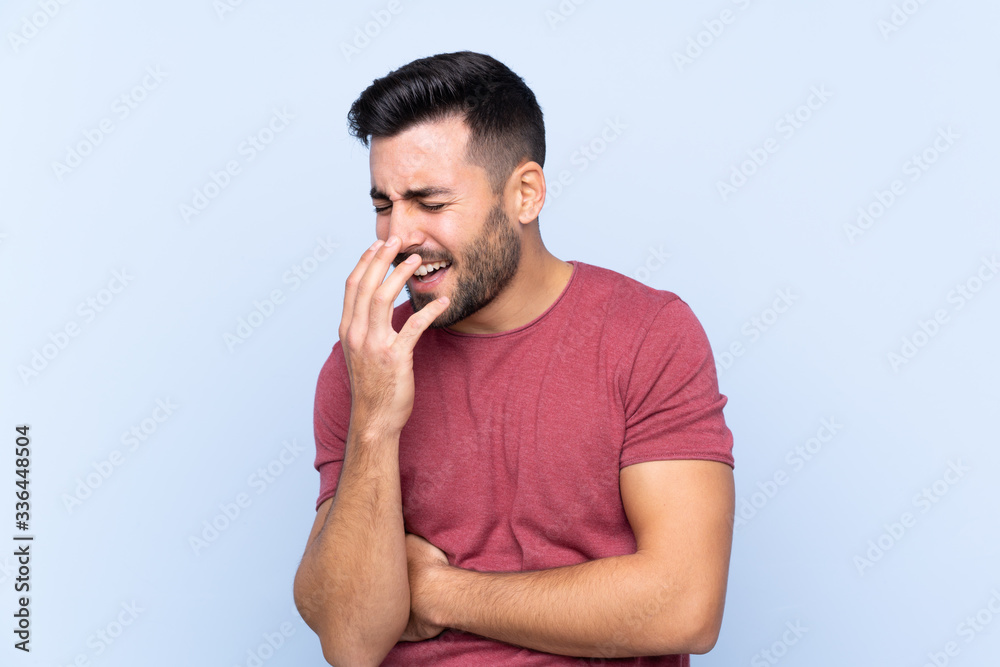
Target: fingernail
(376, 244)
(393, 240)
(412, 259)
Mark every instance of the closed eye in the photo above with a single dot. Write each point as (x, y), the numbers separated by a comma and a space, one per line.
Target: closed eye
(428, 207)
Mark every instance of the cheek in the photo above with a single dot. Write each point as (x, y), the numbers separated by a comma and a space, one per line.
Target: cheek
(381, 228)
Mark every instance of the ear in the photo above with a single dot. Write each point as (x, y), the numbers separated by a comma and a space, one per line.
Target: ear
(528, 183)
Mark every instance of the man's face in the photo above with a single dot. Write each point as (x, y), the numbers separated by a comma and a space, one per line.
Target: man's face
(442, 209)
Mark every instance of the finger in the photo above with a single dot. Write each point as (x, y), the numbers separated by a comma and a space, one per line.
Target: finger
(419, 321)
(373, 277)
(351, 287)
(385, 295)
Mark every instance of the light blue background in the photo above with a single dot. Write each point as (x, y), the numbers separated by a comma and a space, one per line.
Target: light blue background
(652, 191)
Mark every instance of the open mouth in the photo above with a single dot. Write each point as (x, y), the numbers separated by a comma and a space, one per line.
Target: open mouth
(431, 272)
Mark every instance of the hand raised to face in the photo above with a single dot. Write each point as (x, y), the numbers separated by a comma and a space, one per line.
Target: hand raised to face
(379, 360)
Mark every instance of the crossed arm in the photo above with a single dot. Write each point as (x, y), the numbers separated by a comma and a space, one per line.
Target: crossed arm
(363, 584)
(666, 598)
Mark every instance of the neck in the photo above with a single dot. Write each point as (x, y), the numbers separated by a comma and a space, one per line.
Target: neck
(540, 279)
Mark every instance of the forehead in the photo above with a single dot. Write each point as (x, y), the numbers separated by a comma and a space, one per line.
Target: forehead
(430, 154)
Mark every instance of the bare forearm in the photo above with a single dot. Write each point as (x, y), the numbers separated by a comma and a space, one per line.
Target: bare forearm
(611, 607)
(353, 580)
(353, 584)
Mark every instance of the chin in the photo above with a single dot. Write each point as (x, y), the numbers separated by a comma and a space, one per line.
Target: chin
(445, 319)
(417, 304)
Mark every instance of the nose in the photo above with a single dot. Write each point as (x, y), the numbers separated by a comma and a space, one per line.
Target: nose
(403, 221)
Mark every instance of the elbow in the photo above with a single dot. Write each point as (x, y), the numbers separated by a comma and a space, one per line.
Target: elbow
(694, 629)
(337, 657)
(351, 647)
(307, 598)
(702, 633)
(342, 649)
(703, 640)
(697, 639)
(345, 639)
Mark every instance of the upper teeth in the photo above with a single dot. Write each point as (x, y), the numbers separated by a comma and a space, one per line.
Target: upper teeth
(427, 268)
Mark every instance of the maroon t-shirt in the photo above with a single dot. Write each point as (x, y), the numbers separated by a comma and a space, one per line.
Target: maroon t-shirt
(510, 459)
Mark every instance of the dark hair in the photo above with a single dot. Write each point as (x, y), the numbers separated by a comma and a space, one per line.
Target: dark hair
(503, 116)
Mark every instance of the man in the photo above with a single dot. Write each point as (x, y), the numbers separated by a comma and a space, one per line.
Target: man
(527, 463)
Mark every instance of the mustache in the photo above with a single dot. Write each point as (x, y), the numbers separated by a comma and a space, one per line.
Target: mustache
(425, 259)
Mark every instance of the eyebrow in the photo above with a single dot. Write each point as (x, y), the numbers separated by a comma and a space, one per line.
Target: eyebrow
(430, 191)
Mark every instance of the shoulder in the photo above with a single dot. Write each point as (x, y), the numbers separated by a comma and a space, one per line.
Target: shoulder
(640, 327)
(625, 301)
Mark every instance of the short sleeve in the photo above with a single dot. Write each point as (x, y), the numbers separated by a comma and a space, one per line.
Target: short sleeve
(673, 408)
(331, 416)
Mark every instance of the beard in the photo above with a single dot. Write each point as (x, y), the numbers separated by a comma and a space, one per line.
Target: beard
(487, 267)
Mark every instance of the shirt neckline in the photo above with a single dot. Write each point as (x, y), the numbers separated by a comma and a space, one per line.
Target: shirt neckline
(543, 315)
